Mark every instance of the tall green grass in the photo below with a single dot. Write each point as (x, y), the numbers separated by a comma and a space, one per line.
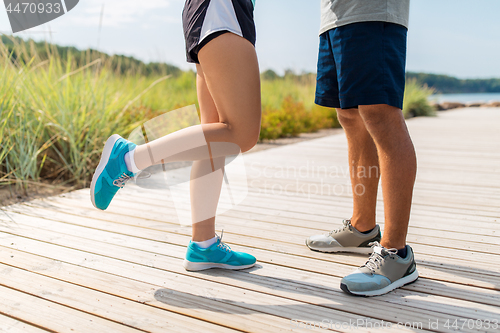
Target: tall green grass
(415, 103)
(56, 116)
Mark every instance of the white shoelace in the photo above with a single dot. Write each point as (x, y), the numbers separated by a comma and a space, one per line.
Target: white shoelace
(376, 258)
(223, 246)
(345, 224)
(120, 181)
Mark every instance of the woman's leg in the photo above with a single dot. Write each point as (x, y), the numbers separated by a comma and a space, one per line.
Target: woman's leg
(228, 86)
(231, 72)
(229, 82)
(202, 196)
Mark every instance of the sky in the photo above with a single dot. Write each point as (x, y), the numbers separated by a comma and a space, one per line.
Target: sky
(454, 37)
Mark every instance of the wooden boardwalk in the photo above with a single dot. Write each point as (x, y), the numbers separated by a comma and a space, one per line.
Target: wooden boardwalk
(67, 267)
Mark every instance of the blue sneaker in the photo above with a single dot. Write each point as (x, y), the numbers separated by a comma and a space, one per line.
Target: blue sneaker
(111, 173)
(219, 255)
(383, 272)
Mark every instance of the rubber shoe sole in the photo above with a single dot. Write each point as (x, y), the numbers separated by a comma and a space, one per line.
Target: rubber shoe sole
(106, 152)
(336, 249)
(199, 266)
(409, 279)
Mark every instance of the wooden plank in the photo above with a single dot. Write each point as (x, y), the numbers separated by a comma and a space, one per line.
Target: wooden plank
(266, 230)
(316, 296)
(425, 227)
(426, 254)
(296, 227)
(188, 286)
(79, 206)
(322, 205)
(126, 312)
(136, 255)
(84, 274)
(331, 201)
(438, 160)
(12, 325)
(487, 269)
(421, 231)
(137, 212)
(297, 203)
(453, 264)
(428, 157)
(53, 316)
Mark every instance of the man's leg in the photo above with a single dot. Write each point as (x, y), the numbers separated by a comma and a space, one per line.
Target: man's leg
(398, 167)
(386, 269)
(364, 173)
(363, 168)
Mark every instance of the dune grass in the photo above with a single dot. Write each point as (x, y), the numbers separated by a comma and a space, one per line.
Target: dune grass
(416, 103)
(56, 117)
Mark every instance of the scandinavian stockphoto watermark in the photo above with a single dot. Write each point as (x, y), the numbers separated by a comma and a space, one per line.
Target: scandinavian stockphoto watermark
(192, 171)
(26, 14)
(308, 179)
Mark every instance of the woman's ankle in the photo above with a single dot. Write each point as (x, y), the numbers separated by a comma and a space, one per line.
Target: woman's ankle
(206, 243)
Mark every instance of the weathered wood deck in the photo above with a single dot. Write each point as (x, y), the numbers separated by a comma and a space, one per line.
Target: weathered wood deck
(67, 267)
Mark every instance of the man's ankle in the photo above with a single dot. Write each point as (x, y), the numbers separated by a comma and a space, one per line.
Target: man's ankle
(392, 245)
(363, 227)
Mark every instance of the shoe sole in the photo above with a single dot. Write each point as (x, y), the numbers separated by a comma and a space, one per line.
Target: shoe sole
(106, 152)
(199, 266)
(409, 279)
(363, 250)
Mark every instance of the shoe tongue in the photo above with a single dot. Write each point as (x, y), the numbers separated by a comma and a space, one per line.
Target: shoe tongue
(378, 249)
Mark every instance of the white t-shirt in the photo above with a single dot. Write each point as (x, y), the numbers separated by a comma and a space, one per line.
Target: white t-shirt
(336, 13)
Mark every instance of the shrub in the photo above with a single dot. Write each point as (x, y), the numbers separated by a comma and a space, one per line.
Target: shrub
(292, 118)
(415, 103)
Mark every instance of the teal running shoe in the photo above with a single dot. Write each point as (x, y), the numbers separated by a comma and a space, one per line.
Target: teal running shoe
(111, 173)
(219, 255)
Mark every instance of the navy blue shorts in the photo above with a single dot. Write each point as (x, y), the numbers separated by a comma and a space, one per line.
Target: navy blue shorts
(362, 64)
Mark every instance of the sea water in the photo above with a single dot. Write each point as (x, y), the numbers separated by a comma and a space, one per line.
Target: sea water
(466, 98)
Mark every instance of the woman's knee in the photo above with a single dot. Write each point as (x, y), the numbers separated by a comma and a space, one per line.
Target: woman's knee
(246, 137)
(249, 141)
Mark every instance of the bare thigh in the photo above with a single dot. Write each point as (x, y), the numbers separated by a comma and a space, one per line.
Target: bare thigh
(209, 115)
(230, 71)
(208, 110)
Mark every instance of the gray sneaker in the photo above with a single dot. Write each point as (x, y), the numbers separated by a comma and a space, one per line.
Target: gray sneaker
(344, 239)
(383, 272)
